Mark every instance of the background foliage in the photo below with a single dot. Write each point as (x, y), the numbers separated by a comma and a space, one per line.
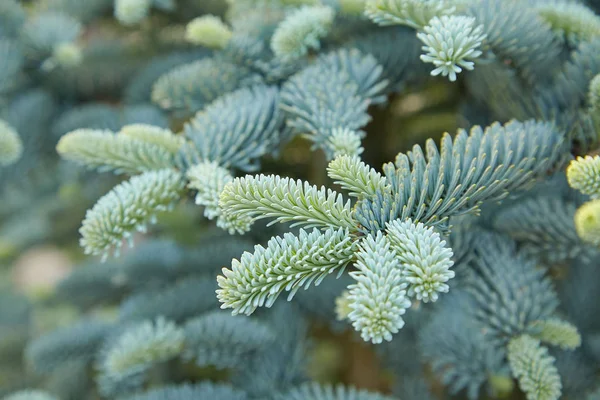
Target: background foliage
(164, 231)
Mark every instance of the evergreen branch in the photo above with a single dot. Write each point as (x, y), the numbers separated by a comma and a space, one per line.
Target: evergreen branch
(209, 179)
(551, 239)
(557, 332)
(413, 13)
(223, 340)
(139, 87)
(59, 347)
(105, 151)
(344, 142)
(281, 364)
(397, 68)
(177, 302)
(302, 30)
(460, 354)
(128, 207)
(155, 135)
(41, 34)
(583, 175)
(332, 95)
(355, 176)
(92, 284)
(98, 116)
(318, 391)
(127, 357)
(534, 367)
(286, 264)
(509, 291)
(452, 43)
(512, 33)
(424, 259)
(363, 69)
(286, 200)
(237, 129)
(378, 297)
(575, 21)
(189, 87)
(235, 222)
(484, 165)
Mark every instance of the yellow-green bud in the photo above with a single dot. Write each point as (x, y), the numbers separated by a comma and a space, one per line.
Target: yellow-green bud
(131, 12)
(352, 7)
(67, 54)
(208, 31)
(583, 174)
(587, 222)
(501, 385)
(11, 147)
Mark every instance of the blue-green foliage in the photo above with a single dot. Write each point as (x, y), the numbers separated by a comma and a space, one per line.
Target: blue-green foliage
(41, 34)
(92, 116)
(570, 88)
(189, 87)
(432, 185)
(236, 129)
(15, 319)
(224, 341)
(156, 266)
(12, 17)
(177, 302)
(509, 291)
(283, 364)
(92, 284)
(33, 130)
(139, 89)
(327, 392)
(143, 113)
(553, 240)
(12, 61)
(398, 355)
(577, 371)
(204, 390)
(83, 12)
(457, 348)
(147, 325)
(103, 116)
(575, 294)
(74, 343)
(413, 388)
(71, 381)
(106, 67)
(332, 93)
(532, 50)
(319, 302)
(398, 67)
(128, 356)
